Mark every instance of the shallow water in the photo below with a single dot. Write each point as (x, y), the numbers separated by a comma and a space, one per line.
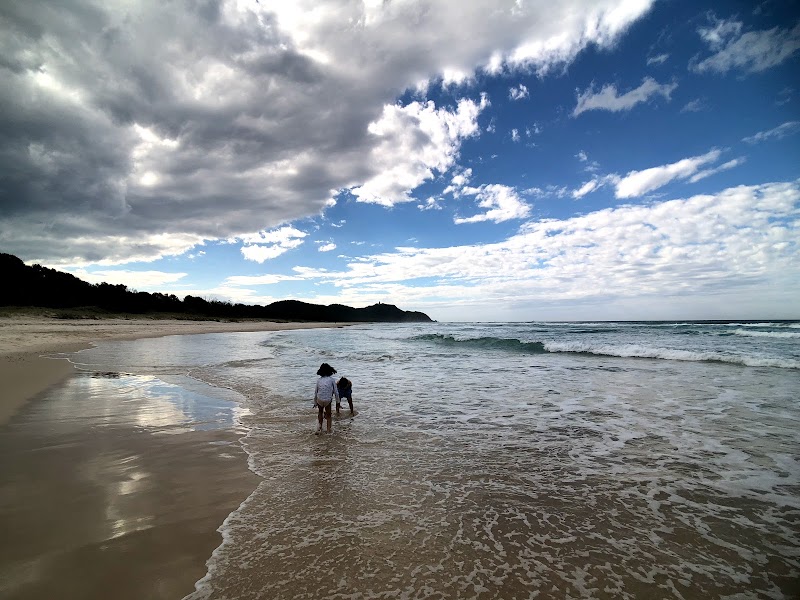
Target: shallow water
(507, 460)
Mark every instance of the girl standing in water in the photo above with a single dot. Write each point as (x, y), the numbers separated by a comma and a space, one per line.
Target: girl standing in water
(324, 393)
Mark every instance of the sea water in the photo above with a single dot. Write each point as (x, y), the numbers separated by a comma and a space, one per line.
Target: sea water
(506, 460)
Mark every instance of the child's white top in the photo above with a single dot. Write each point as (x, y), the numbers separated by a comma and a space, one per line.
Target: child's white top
(326, 390)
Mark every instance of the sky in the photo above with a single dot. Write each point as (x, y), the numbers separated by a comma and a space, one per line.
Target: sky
(476, 160)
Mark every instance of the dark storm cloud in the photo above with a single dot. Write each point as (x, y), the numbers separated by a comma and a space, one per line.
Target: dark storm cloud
(77, 78)
(134, 130)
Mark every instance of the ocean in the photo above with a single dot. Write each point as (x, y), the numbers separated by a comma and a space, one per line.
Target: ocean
(498, 460)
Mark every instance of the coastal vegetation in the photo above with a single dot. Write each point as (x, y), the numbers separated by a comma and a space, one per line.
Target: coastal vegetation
(37, 287)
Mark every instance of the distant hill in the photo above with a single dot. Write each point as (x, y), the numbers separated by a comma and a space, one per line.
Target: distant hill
(38, 286)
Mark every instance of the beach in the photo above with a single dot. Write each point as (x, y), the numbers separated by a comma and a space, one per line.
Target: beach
(616, 460)
(25, 341)
(96, 495)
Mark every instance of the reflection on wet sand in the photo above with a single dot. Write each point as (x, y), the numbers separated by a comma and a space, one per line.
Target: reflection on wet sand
(96, 499)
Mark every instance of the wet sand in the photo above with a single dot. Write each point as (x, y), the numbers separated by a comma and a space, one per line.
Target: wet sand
(98, 497)
(25, 340)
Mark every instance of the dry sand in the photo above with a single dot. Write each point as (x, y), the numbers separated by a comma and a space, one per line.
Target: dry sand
(24, 341)
(94, 508)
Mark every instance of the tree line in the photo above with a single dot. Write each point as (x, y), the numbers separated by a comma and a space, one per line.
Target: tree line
(38, 286)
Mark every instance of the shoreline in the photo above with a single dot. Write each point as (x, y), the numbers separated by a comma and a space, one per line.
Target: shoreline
(25, 342)
(100, 493)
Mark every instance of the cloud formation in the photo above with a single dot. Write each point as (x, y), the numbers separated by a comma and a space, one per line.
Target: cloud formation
(777, 133)
(502, 203)
(266, 245)
(638, 183)
(518, 93)
(609, 99)
(137, 280)
(752, 51)
(714, 170)
(695, 105)
(659, 59)
(138, 130)
(416, 141)
(742, 239)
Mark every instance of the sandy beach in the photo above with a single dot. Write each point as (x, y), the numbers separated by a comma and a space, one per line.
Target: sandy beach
(26, 341)
(93, 503)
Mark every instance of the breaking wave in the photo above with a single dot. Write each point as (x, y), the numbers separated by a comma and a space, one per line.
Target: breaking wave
(620, 351)
(485, 343)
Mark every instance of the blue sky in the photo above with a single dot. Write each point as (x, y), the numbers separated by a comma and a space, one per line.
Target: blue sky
(474, 160)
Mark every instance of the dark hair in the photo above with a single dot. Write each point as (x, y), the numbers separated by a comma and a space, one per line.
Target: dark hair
(325, 370)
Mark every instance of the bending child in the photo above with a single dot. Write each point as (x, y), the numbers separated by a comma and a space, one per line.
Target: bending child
(345, 388)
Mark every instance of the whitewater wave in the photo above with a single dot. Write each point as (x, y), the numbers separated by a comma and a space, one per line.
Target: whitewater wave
(637, 351)
(620, 351)
(767, 334)
(766, 324)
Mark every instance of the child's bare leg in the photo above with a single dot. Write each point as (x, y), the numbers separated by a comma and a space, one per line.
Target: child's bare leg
(350, 402)
(319, 417)
(327, 416)
(338, 406)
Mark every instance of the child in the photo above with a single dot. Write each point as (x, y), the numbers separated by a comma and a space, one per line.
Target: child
(345, 389)
(324, 394)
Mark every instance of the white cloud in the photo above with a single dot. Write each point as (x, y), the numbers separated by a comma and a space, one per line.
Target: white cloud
(723, 167)
(459, 180)
(518, 93)
(695, 105)
(589, 166)
(455, 77)
(638, 183)
(717, 34)
(430, 203)
(260, 254)
(609, 99)
(740, 242)
(327, 247)
(266, 245)
(659, 59)
(784, 96)
(594, 184)
(601, 23)
(515, 135)
(751, 52)
(416, 140)
(266, 279)
(226, 293)
(550, 191)
(280, 236)
(781, 131)
(586, 188)
(502, 202)
(532, 130)
(138, 280)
